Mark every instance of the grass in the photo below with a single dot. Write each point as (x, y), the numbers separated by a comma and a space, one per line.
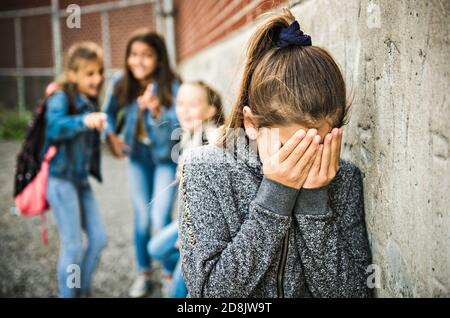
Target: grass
(13, 124)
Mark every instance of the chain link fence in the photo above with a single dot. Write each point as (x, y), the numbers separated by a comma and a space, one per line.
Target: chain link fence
(35, 34)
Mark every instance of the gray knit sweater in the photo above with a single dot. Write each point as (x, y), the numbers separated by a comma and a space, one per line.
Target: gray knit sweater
(243, 235)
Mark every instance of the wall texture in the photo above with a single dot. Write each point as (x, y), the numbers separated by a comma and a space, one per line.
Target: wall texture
(36, 39)
(395, 56)
(202, 23)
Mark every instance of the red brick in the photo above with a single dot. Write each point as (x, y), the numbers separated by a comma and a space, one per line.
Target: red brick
(201, 23)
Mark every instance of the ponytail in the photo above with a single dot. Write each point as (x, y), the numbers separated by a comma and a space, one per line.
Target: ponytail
(262, 41)
(287, 80)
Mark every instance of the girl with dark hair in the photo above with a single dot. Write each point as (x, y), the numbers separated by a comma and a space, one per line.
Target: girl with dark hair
(145, 91)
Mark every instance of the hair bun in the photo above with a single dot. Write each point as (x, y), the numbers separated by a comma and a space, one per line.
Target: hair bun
(293, 35)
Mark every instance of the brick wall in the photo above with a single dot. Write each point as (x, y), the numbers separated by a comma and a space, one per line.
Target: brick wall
(37, 47)
(22, 4)
(37, 31)
(8, 51)
(199, 24)
(122, 22)
(37, 41)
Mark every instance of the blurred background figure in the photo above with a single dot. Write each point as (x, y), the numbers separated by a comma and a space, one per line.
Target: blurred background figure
(146, 91)
(200, 112)
(73, 126)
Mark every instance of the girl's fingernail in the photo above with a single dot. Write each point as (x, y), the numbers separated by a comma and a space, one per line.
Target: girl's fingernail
(312, 132)
(301, 133)
(317, 138)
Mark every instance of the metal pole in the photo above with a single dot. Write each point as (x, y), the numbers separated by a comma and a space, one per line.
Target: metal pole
(168, 13)
(158, 14)
(106, 39)
(57, 43)
(19, 65)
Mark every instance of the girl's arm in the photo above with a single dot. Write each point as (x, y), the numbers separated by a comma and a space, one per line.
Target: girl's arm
(333, 241)
(61, 125)
(214, 264)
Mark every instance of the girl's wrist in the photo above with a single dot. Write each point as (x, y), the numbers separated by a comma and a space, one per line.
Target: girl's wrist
(313, 201)
(276, 197)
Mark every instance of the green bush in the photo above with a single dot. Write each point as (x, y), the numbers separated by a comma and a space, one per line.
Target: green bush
(13, 124)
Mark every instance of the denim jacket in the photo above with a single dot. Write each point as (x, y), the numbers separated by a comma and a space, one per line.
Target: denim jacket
(158, 130)
(78, 146)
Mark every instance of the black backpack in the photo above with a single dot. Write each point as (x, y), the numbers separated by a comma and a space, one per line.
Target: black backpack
(29, 158)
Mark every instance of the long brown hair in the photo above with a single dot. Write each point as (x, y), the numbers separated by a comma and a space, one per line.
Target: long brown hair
(294, 84)
(129, 88)
(80, 51)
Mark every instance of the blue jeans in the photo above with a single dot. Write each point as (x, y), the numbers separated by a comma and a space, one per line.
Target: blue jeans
(162, 248)
(75, 209)
(153, 190)
(179, 289)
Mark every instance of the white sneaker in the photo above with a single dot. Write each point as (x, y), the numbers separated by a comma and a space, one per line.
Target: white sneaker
(140, 287)
(166, 288)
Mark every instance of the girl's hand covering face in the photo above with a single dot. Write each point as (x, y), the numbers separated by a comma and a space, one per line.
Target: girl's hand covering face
(302, 161)
(288, 164)
(327, 161)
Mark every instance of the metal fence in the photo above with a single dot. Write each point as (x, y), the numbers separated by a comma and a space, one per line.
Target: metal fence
(34, 39)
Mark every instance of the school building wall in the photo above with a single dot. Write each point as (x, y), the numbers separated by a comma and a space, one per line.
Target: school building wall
(27, 54)
(394, 55)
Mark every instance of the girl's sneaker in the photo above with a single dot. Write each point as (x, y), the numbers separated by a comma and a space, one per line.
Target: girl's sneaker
(140, 286)
(84, 295)
(166, 288)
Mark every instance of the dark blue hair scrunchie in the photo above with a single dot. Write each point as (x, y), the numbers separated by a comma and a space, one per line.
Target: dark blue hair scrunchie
(293, 35)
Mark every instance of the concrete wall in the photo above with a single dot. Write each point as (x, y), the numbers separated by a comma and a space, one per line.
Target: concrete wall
(395, 56)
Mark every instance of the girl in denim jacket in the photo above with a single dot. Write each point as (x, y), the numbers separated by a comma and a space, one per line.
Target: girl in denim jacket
(72, 126)
(145, 93)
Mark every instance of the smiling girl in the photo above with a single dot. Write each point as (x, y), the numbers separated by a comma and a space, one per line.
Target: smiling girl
(146, 92)
(72, 125)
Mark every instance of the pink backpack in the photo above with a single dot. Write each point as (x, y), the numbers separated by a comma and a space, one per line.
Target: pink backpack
(32, 200)
(31, 175)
